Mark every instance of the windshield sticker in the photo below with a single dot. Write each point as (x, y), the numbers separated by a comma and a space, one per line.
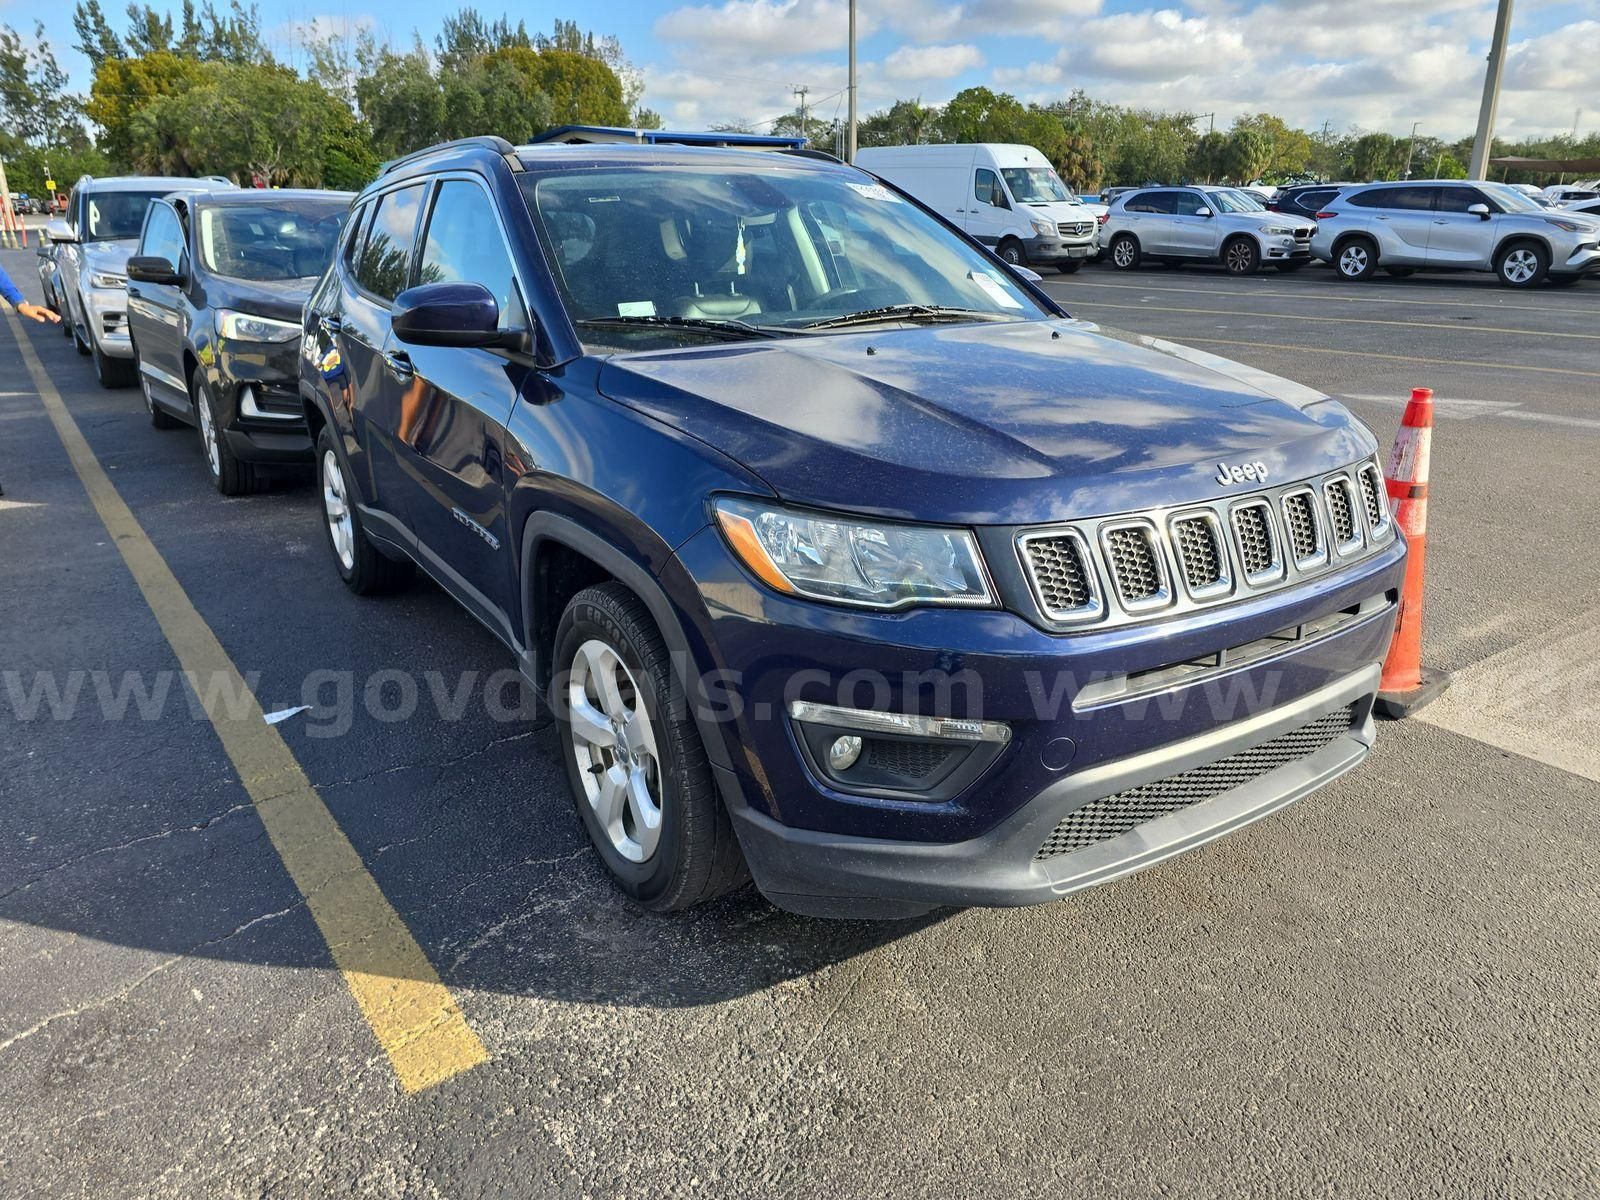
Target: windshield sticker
(875, 191)
(994, 289)
(636, 308)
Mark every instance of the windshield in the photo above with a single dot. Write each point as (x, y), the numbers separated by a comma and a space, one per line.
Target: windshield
(775, 247)
(110, 215)
(1034, 185)
(272, 240)
(1508, 198)
(1232, 200)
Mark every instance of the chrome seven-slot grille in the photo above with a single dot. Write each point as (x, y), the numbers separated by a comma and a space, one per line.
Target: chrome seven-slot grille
(1074, 228)
(1127, 567)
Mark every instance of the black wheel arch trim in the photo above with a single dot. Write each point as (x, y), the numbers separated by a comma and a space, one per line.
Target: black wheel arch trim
(544, 526)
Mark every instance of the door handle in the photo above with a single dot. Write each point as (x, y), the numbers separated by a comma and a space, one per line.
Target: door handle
(331, 324)
(399, 364)
(1440, 221)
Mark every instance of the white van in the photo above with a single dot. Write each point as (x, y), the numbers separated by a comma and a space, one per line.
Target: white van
(1008, 197)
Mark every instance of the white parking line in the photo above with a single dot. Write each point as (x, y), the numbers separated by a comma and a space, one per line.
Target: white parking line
(1468, 410)
(1540, 700)
(1433, 300)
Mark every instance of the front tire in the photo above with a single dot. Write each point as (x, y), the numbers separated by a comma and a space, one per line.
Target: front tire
(1125, 252)
(638, 769)
(1356, 259)
(1241, 256)
(1522, 265)
(1011, 252)
(111, 372)
(229, 475)
(159, 417)
(365, 570)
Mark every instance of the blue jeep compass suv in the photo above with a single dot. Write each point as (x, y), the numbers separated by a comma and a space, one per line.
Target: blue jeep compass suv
(845, 559)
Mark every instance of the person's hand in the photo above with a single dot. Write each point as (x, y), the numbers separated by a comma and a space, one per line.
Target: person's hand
(38, 312)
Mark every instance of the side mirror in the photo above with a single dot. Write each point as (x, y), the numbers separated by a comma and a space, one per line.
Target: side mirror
(1202, 211)
(448, 314)
(59, 231)
(152, 268)
(1481, 211)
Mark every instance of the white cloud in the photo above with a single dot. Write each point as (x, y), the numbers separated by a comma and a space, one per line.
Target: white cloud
(763, 27)
(931, 62)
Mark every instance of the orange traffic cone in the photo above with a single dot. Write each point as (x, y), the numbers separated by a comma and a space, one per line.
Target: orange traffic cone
(1407, 685)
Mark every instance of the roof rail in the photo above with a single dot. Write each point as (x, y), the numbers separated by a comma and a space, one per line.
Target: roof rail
(808, 152)
(487, 141)
(613, 135)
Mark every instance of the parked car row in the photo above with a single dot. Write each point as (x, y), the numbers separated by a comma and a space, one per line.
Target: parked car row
(845, 560)
(1400, 228)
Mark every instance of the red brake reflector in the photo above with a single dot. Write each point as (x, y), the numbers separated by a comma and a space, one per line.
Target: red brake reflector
(1326, 213)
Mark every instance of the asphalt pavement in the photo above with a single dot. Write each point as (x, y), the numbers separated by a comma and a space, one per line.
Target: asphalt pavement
(1387, 989)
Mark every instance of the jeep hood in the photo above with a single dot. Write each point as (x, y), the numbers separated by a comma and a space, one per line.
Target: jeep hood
(1001, 423)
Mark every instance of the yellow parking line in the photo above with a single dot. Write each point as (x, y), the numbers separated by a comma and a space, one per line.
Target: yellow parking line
(1310, 294)
(1443, 362)
(1321, 320)
(412, 1013)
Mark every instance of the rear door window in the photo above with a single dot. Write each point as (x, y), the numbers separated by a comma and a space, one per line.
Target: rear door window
(384, 264)
(1415, 199)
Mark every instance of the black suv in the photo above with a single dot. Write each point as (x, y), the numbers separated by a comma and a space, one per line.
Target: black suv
(1305, 199)
(842, 556)
(216, 287)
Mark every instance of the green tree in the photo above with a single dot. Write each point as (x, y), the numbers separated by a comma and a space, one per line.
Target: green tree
(1375, 156)
(35, 106)
(1247, 155)
(402, 102)
(581, 90)
(904, 123)
(1291, 148)
(1208, 157)
(124, 87)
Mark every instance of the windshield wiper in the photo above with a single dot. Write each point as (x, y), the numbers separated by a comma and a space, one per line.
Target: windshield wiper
(729, 328)
(905, 312)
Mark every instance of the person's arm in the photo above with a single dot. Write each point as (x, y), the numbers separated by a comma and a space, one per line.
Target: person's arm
(36, 312)
(9, 290)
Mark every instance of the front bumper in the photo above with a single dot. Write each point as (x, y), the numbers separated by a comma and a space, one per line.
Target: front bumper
(1585, 260)
(1054, 249)
(1072, 739)
(106, 312)
(827, 875)
(257, 386)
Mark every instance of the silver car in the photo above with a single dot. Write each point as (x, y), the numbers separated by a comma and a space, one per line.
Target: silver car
(93, 242)
(1455, 225)
(1215, 224)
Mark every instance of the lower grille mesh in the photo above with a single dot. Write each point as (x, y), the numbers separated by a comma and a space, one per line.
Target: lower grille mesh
(1101, 820)
(914, 760)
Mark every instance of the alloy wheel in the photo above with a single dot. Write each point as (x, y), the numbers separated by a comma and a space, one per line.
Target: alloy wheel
(336, 506)
(1353, 260)
(1240, 258)
(1122, 254)
(208, 432)
(1520, 266)
(614, 743)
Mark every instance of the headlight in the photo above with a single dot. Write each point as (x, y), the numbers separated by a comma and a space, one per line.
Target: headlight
(1278, 230)
(1044, 228)
(876, 564)
(107, 279)
(1562, 223)
(242, 327)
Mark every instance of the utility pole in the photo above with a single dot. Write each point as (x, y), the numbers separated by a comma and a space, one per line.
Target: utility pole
(805, 126)
(850, 136)
(1411, 147)
(1483, 144)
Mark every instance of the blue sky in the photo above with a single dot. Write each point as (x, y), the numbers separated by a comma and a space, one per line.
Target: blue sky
(1377, 66)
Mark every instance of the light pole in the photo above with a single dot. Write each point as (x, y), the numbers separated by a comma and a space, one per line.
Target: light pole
(1483, 143)
(1411, 147)
(850, 136)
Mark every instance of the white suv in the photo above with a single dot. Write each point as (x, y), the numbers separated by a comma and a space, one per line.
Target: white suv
(1455, 225)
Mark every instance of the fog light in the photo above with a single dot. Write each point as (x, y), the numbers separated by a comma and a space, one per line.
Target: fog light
(843, 753)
